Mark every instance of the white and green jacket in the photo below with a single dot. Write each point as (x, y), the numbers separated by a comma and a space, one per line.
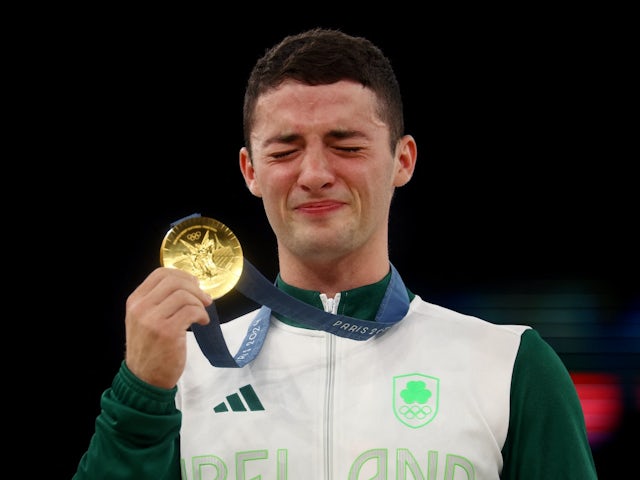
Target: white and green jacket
(440, 396)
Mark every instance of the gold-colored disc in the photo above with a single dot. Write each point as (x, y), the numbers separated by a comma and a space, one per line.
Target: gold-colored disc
(207, 249)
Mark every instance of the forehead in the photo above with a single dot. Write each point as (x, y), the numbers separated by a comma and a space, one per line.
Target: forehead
(295, 102)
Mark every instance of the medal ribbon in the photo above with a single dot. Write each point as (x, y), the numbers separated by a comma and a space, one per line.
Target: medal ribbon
(253, 285)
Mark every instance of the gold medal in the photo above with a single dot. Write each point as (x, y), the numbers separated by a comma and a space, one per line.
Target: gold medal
(207, 249)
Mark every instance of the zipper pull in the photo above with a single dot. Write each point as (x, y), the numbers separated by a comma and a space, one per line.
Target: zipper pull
(330, 304)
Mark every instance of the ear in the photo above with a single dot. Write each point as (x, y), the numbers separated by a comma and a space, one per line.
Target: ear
(248, 172)
(406, 155)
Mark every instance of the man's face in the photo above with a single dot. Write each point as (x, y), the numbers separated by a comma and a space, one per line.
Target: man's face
(323, 167)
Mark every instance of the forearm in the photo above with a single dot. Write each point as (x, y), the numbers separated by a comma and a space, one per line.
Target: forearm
(136, 435)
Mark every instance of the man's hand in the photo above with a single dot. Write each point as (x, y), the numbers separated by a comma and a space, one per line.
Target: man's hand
(158, 313)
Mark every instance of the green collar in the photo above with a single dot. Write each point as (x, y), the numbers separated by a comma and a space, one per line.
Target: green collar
(361, 302)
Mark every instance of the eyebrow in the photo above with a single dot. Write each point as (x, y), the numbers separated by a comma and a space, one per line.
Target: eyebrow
(344, 134)
(336, 134)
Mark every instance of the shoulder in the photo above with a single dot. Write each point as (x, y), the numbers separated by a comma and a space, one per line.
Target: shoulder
(452, 321)
(539, 367)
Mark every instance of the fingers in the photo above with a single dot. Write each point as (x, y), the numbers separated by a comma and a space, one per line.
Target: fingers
(158, 313)
(163, 280)
(170, 292)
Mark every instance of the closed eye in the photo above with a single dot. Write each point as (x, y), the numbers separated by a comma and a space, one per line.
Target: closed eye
(349, 149)
(283, 154)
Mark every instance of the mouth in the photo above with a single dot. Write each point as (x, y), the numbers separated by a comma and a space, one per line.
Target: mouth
(319, 207)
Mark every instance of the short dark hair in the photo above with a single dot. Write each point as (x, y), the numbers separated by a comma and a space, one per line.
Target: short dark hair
(323, 56)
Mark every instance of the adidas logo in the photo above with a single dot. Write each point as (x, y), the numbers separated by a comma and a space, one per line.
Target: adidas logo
(247, 399)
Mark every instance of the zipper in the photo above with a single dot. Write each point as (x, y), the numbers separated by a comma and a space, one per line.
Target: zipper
(328, 408)
(330, 305)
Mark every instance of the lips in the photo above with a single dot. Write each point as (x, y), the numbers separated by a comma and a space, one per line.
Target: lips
(319, 206)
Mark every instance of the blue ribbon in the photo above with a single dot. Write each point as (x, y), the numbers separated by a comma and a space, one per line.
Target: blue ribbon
(253, 285)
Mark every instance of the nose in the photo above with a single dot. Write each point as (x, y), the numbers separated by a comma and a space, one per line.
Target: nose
(316, 171)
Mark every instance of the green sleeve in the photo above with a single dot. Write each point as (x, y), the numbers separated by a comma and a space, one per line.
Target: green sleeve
(547, 436)
(136, 433)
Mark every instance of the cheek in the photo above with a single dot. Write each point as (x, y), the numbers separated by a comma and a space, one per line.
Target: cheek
(265, 182)
(275, 183)
(271, 191)
(380, 190)
(381, 180)
(274, 209)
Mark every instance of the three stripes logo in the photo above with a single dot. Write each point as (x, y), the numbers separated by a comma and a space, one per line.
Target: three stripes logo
(247, 399)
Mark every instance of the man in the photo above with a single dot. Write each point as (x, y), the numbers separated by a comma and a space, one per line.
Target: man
(395, 387)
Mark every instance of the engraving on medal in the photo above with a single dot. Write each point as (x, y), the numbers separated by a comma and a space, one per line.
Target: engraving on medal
(207, 249)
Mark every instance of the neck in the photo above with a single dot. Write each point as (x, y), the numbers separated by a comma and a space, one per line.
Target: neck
(335, 275)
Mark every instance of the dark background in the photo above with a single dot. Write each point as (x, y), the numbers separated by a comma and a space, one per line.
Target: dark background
(523, 207)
